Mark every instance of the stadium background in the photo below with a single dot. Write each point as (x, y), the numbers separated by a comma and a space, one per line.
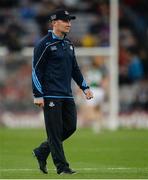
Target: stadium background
(23, 23)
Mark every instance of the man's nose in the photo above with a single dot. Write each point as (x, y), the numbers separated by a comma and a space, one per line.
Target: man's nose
(69, 23)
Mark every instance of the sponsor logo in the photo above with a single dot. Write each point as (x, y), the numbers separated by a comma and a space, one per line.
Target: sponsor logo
(53, 48)
(51, 104)
(66, 13)
(53, 17)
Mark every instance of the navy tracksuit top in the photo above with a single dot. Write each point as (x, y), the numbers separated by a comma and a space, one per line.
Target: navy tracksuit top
(53, 66)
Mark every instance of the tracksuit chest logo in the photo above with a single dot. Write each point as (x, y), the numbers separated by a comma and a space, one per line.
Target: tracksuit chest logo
(51, 104)
(53, 48)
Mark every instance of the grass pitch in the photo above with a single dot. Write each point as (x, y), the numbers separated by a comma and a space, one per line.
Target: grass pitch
(109, 154)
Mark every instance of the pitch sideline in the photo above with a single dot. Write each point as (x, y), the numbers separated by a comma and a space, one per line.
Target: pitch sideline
(79, 169)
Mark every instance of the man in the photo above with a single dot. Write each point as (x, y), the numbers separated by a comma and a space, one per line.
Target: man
(54, 65)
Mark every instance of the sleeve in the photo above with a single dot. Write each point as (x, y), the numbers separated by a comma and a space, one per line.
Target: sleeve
(38, 62)
(77, 75)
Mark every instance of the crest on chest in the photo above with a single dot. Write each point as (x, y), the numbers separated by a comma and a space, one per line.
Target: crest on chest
(53, 48)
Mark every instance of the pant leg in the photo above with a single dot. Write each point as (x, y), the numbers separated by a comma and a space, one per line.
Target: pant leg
(69, 115)
(43, 150)
(54, 128)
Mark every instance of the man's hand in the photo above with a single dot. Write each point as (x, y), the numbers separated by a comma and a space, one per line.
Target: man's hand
(39, 102)
(88, 94)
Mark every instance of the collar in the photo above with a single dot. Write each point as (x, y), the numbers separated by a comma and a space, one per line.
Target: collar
(55, 36)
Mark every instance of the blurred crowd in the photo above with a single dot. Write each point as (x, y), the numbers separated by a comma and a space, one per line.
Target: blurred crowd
(23, 23)
(133, 55)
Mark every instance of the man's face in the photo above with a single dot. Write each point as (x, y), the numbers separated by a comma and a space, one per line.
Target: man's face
(62, 26)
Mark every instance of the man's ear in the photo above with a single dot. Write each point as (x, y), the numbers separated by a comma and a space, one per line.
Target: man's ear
(53, 23)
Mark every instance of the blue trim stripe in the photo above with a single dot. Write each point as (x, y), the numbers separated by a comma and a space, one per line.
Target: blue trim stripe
(37, 87)
(36, 79)
(68, 97)
(38, 97)
(84, 83)
(34, 75)
(36, 83)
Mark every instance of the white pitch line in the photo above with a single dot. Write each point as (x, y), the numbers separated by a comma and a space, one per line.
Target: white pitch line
(80, 169)
(18, 169)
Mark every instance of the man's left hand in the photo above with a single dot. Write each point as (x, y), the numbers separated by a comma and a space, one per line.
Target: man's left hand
(88, 94)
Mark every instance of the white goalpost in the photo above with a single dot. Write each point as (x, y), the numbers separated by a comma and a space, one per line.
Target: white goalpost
(112, 52)
(114, 95)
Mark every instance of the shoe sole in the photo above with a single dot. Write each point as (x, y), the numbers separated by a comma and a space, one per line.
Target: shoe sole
(62, 173)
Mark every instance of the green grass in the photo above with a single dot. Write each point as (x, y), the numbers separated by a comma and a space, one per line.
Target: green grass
(109, 154)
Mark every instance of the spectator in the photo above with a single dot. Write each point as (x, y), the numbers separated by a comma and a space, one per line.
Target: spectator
(27, 10)
(135, 68)
(97, 77)
(89, 40)
(144, 58)
(13, 34)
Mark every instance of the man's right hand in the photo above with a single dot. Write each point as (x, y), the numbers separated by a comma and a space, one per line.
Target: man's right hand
(39, 102)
